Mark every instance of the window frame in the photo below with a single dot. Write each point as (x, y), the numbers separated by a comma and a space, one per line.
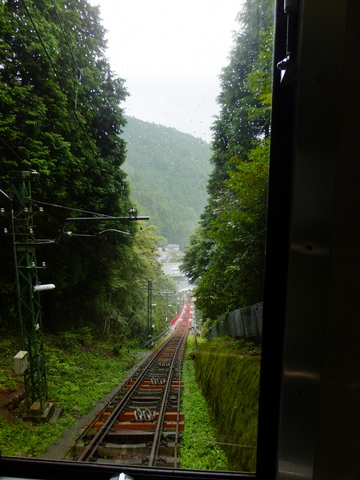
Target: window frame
(278, 226)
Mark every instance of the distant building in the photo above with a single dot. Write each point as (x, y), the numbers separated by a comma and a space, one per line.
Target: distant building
(163, 256)
(173, 270)
(172, 247)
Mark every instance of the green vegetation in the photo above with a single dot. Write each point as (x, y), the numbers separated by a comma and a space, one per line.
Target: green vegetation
(227, 371)
(168, 171)
(220, 402)
(61, 115)
(80, 372)
(225, 257)
(198, 449)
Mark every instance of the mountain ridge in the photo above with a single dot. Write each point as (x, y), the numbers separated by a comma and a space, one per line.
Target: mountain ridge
(168, 172)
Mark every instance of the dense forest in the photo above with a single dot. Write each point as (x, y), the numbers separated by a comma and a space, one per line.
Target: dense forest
(61, 116)
(168, 172)
(225, 257)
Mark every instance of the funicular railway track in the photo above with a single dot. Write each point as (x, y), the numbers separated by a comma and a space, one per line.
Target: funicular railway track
(142, 423)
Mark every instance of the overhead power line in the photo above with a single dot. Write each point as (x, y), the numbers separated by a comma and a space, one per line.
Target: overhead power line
(70, 208)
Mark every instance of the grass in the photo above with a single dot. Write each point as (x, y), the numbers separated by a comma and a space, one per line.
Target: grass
(198, 449)
(78, 377)
(81, 371)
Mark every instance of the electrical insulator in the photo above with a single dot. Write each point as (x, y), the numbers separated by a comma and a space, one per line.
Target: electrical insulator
(43, 264)
(31, 231)
(41, 288)
(2, 210)
(41, 209)
(26, 209)
(5, 231)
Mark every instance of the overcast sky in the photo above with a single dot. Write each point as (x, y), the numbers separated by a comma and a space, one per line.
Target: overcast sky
(171, 54)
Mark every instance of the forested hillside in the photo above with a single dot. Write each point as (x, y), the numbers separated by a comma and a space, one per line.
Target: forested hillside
(61, 116)
(168, 171)
(226, 253)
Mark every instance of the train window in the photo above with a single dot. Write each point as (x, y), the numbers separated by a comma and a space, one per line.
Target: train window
(191, 404)
(308, 422)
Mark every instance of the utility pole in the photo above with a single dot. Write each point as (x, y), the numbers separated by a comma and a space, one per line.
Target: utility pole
(167, 293)
(27, 284)
(30, 361)
(149, 325)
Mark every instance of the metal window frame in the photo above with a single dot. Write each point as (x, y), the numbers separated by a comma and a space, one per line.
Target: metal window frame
(271, 357)
(307, 197)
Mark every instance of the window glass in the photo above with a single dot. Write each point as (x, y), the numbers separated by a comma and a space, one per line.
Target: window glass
(162, 112)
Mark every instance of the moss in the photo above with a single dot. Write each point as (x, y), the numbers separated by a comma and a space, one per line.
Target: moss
(77, 379)
(229, 377)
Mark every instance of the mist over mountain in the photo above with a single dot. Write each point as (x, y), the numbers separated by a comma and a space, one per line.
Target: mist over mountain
(168, 172)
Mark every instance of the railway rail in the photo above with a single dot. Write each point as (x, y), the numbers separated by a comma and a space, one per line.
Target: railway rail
(142, 423)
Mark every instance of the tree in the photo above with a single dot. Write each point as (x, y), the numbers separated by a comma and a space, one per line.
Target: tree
(144, 265)
(60, 114)
(168, 172)
(237, 128)
(226, 255)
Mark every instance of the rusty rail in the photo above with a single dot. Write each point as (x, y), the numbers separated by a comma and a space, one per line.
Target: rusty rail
(141, 424)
